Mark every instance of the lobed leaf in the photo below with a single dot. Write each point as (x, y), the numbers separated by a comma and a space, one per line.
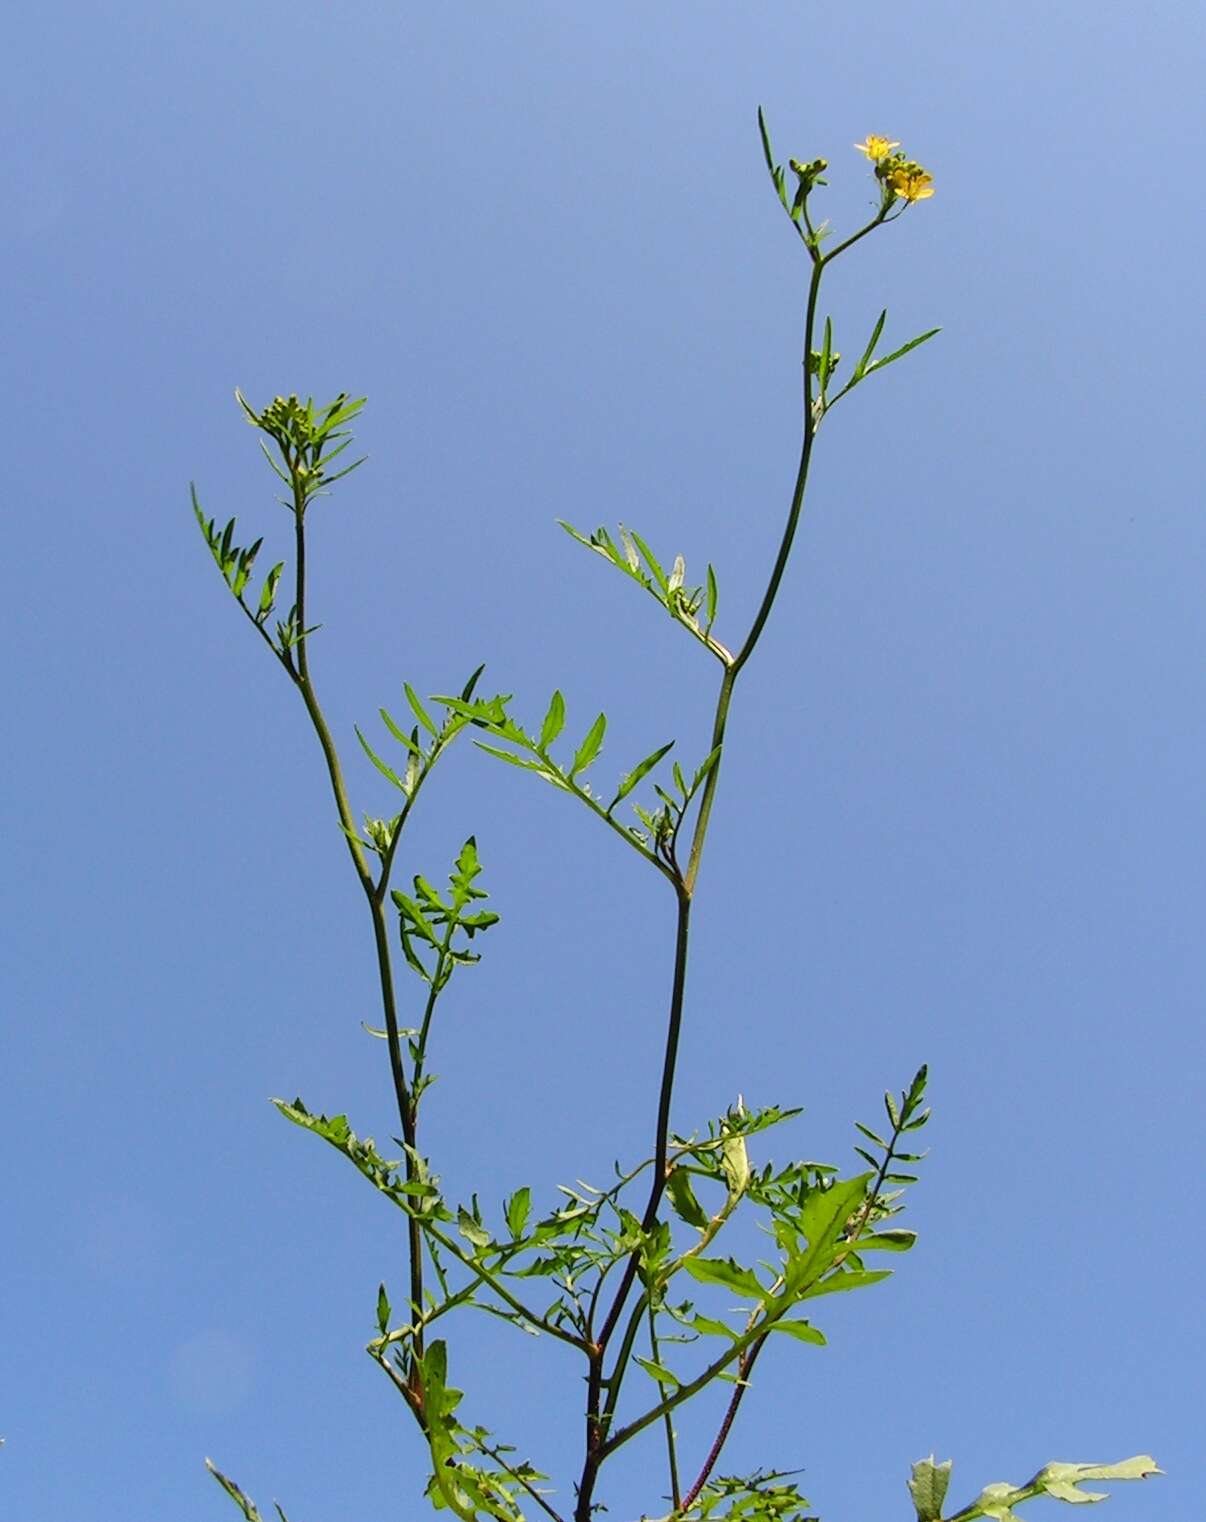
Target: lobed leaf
(729, 1274)
(928, 1486)
(682, 1198)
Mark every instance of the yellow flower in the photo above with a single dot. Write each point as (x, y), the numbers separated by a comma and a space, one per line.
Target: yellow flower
(876, 148)
(911, 182)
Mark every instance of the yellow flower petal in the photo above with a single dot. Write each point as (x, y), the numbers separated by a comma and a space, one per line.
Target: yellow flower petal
(876, 148)
(911, 182)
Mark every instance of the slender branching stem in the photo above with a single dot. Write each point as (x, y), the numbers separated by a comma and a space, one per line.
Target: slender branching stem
(761, 1319)
(495, 1454)
(600, 1443)
(744, 1368)
(504, 1294)
(668, 1420)
(375, 898)
(595, 1375)
(733, 670)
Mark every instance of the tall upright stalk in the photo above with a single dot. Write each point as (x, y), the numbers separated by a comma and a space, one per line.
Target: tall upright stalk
(602, 1270)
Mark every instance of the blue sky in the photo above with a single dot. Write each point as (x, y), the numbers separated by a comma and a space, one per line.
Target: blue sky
(961, 821)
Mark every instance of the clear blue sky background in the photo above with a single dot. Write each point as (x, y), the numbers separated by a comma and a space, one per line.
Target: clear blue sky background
(961, 819)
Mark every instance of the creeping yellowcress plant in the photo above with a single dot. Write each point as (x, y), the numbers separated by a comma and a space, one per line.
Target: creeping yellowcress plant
(631, 1279)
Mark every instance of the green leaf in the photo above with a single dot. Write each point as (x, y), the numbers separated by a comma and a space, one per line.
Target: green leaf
(729, 1274)
(917, 1087)
(466, 869)
(236, 1495)
(776, 173)
(1062, 1480)
(379, 764)
(887, 1241)
(663, 1375)
(554, 721)
(383, 1310)
(467, 689)
(335, 417)
(574, 533)
(880, 364)
(705, 766)
(928, 1487)
(243, 568)
(406, 741)
(472, 1230)
(517, 1210)
(642, 769)
(822, 1220)
(735, 1163)
(590, 747)
(826, 360)
(707, 1327)
(711, 599)
(846, 1279)
(414, 917)
(997, 1501)
(506, 755)
(682, 1198)
(268, 595)
(861, 368)
(651, 561)
(803, 1331)
(418, 710)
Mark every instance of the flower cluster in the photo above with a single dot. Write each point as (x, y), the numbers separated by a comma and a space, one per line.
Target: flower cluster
(899, 175)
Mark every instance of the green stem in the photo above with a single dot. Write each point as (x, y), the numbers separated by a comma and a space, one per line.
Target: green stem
(671, 1451)
(420, 1047)
(595, 1427)
(487, 1277)
(797, 498)
(402, 1096)
(707, 1236)
(732, 671)
(701, 1479)
(876, 221)
(598, 1446)
(719, 723)
(494, 1454)
(761, 1318)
